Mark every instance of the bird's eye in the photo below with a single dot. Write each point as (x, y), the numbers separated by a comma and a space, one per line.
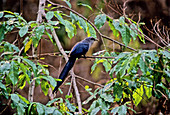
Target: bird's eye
(92, 39)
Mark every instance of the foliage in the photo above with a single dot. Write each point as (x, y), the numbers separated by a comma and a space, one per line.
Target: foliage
(134, 76)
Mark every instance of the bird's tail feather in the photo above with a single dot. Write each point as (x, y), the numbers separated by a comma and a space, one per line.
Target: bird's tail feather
(64, 72)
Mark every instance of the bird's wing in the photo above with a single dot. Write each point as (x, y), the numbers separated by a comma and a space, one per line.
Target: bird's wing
(79, 49)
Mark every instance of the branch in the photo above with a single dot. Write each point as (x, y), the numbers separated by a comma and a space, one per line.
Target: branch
(39, 20)
(100, 34)
(88, 81)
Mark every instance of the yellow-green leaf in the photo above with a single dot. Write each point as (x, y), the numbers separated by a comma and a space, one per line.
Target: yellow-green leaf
(137, 95)
(27, 46)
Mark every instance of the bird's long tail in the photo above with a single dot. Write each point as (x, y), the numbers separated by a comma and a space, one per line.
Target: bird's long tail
(64, 72)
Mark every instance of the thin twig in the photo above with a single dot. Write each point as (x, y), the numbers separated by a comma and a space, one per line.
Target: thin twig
(88, 81)
(48, 65)
(70, 87)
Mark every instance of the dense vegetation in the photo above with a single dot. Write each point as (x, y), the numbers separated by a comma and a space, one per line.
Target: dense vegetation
(136, 76)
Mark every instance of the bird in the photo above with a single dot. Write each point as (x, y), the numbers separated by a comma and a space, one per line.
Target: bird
(77, 51)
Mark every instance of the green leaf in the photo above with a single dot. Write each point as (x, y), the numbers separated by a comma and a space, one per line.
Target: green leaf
(67, 2)
(122, 110)
(107, 87)
(117, 91)
(1, 14)
(125, 33)
(133, 31)
(57, 112)
(44, 87)
(70, 29)
(70, 106)
(93, 67)
(115, 32)
(40, 108)
(40, 30)
(104, 112)
(54, 23)
(59, 17)
(95, 111)
(124, 30)
(104, 105)
(107, 65)
(86, 5)
(52, 81)
(115, 110)
(23, 30)
(137, 95)
(74, 17)
(9, 16)
(122, 20)
(35, 40)
(148, 91)
(30, 63)
(91, 31)
(2, 86)
(52, 101)
(166, 54)
(82, 24)
(49, 110)
(5, 67)
(124, 65)
(141, 37)
(134, 61)
(49, 15)
(10, 47)
(107, 97)
(142, 65)
(15, 98)
(93, 105)
(20, 109)
(23, 99)
(100, 20)
(2, 32)
(13, 74)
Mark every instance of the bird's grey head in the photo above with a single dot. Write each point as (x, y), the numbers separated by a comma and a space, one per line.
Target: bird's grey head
(90, 40)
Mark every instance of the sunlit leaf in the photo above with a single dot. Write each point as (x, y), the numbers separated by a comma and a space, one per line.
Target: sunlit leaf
(83, 24)
(44, 87)
(137, 95)
(148, 91)
(91, 31)
(23, 99)
(70, 29)
(28, 45)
